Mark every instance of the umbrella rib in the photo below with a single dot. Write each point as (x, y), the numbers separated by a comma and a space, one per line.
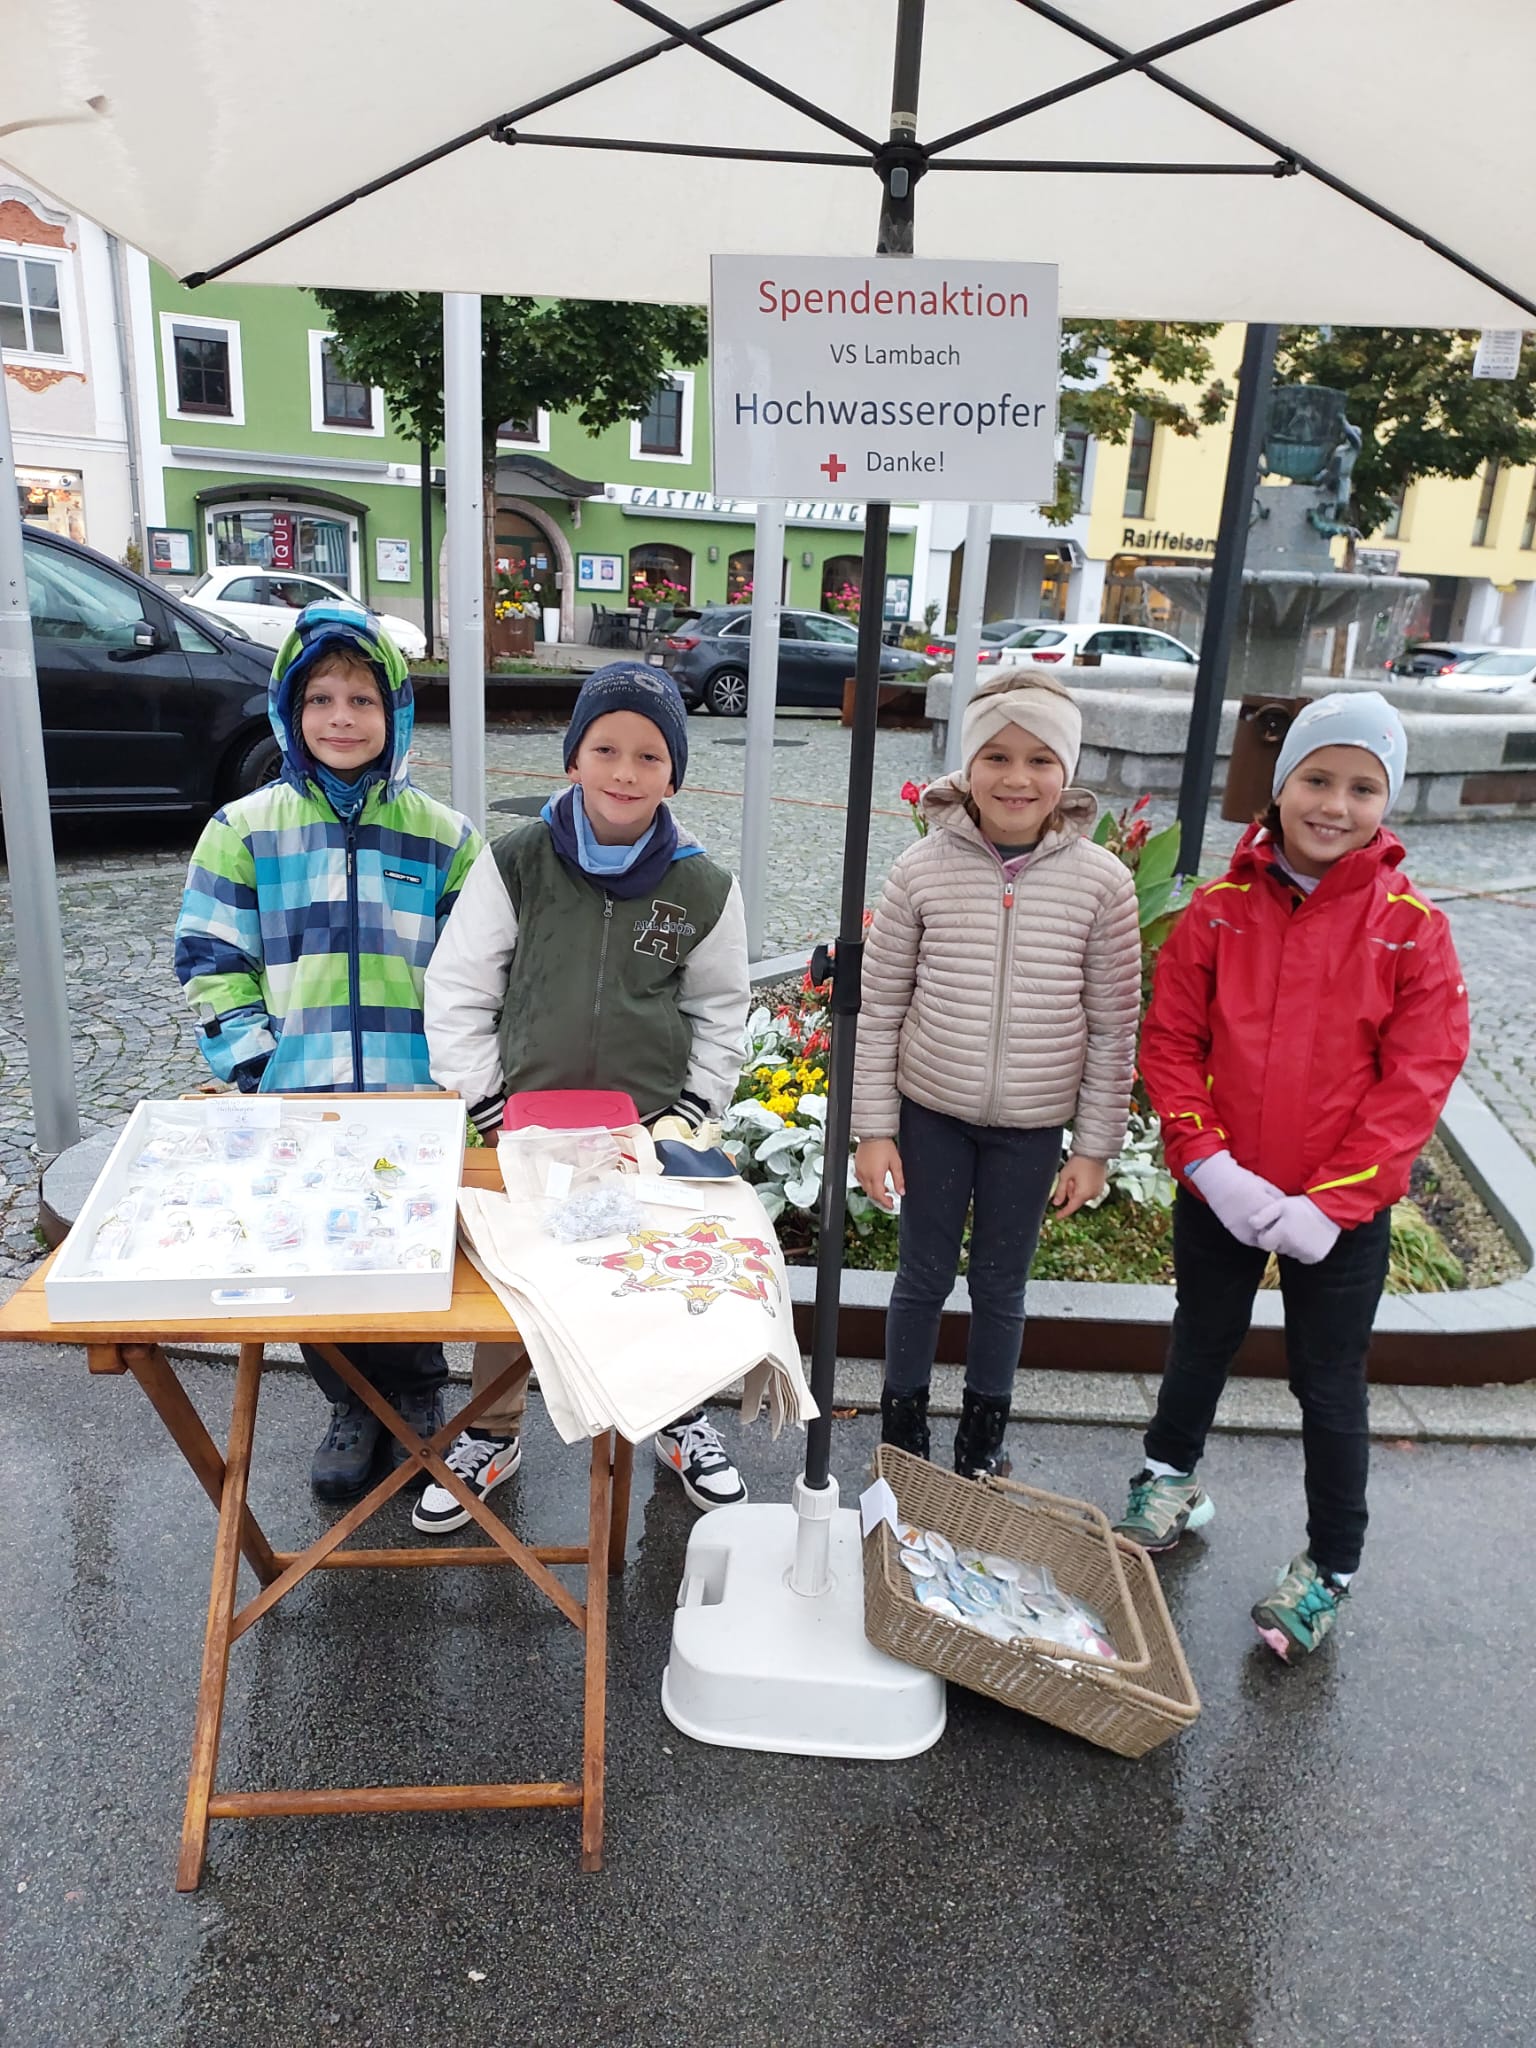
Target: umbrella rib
(836, 158)
(1132, 61)
(483, 131)
(1282, 167)
(1250, 133)
(698, 39)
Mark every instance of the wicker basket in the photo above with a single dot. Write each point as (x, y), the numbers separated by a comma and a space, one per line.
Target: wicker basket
(1129, 1706)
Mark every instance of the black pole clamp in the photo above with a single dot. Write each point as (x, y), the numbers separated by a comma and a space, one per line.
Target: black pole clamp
(841, 963)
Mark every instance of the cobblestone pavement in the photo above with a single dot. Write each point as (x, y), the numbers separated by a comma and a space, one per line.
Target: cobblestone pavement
(120, 884)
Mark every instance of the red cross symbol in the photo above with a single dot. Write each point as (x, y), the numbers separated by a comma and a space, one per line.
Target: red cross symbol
(834, 467)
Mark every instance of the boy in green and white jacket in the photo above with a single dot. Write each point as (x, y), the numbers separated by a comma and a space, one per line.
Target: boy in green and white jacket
(597, 946)
(311, 910)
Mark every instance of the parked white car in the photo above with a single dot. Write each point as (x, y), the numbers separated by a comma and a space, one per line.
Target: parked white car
(1135, 652)
(263, 601)
(1502, 672)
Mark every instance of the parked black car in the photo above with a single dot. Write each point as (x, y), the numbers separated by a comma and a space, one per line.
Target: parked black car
(708, 659)
(146, 705)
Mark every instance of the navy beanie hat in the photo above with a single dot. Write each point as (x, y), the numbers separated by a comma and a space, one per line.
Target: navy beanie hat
(633, 686)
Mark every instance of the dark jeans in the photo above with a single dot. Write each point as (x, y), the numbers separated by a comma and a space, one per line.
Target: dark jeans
(948, 1165)
(1329, 1309)
(392, 1368)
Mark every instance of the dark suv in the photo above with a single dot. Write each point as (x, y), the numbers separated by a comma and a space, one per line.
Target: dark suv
(146, 705)
(708, 659)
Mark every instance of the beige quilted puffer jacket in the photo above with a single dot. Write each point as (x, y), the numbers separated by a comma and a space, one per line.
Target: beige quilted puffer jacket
(1002, 1002)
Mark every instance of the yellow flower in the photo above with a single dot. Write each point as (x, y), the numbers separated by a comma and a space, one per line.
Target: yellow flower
(781, 1078)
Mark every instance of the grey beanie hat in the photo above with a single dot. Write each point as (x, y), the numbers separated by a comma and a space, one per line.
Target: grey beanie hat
(633, 686)
(1348, 718)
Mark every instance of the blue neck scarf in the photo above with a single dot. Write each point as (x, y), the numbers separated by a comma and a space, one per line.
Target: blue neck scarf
(622, 871)
(346, 798)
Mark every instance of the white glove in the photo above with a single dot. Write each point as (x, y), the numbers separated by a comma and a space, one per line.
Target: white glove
(1236, 1196)
(1295, 1227)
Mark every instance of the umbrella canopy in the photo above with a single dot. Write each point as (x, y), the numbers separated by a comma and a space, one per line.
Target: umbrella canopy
(1178, 159)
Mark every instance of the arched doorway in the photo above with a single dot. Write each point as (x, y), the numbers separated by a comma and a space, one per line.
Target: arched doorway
(530, 532)
(660, 573)
(740, 574)
(840, 585)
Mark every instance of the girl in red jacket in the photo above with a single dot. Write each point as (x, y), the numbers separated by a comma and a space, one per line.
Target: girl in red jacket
(1306, 1024)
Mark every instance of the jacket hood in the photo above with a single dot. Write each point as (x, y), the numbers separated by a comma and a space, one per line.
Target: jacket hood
(316, 630)
(1256, 851)
(946, 805)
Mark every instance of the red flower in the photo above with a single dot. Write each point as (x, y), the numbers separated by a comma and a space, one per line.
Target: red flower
(1140, 804)
(912, 792)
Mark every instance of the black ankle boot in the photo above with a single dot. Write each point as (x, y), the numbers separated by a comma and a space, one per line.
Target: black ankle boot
(979, 1437)
(904, 1421)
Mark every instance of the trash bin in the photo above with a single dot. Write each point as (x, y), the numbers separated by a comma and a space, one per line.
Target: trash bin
(1262, 724)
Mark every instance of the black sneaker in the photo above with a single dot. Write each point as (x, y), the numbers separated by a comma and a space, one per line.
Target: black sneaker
(422, 1408)
(344, 1457)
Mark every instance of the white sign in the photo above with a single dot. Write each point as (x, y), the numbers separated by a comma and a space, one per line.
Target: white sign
(901, 377)
(654, 502)
(392, 561)
(1498, 353)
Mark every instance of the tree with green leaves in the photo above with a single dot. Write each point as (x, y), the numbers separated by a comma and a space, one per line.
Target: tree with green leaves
(599, 359)
(1420, 411)
(1112, 370)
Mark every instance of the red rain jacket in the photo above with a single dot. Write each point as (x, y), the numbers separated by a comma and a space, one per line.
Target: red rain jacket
(1315, 1037)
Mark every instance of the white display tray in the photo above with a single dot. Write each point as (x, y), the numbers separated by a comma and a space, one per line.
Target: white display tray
(136, 1290)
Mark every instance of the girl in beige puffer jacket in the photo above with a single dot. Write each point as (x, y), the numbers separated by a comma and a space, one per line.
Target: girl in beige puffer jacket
(1002, 986)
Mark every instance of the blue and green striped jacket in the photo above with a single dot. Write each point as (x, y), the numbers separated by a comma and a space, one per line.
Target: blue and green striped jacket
(304, 937)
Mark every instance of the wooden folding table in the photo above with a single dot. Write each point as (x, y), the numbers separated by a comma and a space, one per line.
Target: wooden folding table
(475, 1315)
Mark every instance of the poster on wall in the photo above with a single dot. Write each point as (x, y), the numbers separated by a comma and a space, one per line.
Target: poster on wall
(600, 572)
(170, 550)
(282, 541)
(392, 561)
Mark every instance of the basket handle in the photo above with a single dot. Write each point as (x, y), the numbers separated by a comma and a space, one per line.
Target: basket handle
(1073, 1513)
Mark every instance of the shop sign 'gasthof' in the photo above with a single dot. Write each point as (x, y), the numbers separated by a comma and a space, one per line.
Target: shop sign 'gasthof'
(889, 377)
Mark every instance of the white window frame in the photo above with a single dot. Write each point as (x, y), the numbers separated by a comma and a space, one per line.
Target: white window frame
(318, 337)
(71, 359)
(350, 520)
(683, 379)
(204, 324)
(539, 445)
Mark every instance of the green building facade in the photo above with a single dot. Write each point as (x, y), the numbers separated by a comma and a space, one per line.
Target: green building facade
(270, 458)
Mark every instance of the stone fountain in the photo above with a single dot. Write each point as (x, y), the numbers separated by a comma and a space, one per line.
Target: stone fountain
(1290, 585)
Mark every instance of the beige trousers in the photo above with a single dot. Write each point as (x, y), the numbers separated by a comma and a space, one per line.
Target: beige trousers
(504, 1417)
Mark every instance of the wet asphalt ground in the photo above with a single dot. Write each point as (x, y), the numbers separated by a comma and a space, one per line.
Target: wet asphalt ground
(1339, 1853)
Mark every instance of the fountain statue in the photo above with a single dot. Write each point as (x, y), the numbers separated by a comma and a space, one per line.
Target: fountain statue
(1290, 585)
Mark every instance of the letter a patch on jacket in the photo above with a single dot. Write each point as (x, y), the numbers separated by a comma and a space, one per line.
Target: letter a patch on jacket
(664, 930)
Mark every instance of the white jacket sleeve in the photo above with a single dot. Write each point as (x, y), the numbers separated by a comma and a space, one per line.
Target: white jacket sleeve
(466, 985)
(714, 994)
(890, 976)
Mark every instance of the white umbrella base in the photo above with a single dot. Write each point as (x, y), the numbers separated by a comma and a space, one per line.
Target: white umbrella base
(755, 1665)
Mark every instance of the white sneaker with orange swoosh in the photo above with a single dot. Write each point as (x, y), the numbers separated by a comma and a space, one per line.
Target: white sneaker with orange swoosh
(691, 1448)
(483, 1460)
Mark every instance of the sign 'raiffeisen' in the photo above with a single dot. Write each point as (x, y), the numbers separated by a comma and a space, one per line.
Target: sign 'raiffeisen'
(889, 377)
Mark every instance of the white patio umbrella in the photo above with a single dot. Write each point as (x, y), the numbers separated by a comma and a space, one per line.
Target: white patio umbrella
(1176, 160)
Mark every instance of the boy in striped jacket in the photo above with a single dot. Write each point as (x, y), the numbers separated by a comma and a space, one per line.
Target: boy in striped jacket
(311, 910)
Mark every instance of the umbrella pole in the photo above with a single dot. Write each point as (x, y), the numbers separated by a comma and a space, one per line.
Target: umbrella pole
(810, 1573)
(1253, 387)
(464, 503)
(29, 836)
(764, 1658)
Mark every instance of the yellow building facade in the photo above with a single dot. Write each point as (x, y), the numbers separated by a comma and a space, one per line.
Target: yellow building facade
(1473, 539)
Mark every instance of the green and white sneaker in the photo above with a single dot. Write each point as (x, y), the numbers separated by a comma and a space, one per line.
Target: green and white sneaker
(1160, 1509)
(1301, 1611)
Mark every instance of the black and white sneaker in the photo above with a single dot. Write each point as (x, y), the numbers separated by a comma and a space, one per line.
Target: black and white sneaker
(691, 1448)
(482, 1459)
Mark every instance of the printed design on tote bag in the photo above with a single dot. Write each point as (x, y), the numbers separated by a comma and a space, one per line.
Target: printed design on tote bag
(703, 1263)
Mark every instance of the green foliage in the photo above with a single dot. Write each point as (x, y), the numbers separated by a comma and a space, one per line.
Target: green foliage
(1411, 392)
(598, 358)
(1114, 369)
